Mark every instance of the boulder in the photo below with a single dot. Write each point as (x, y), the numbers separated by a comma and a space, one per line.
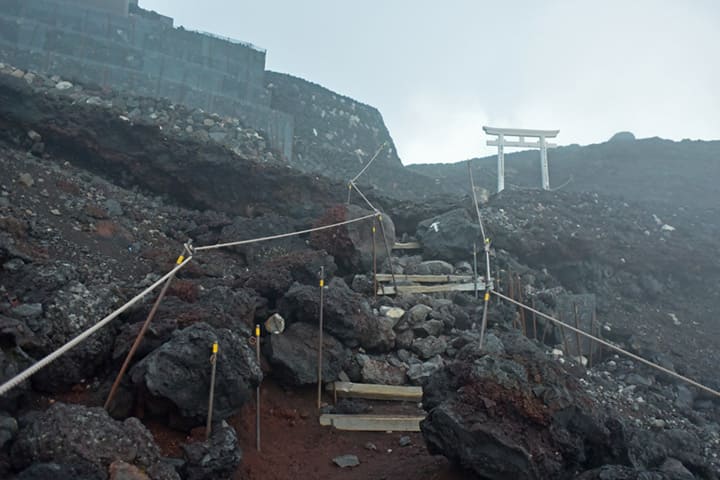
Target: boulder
(499, 417)
(266, 225)
(51, 471)
(428, 347)
(71, 310)
(293, 355)
(76, 435)
(418, 314)
(217, 457)
(431, 267)
(178, 373)
(418, 373)
(383, 373)
(347, 315)
(352, 244)
(449, 236)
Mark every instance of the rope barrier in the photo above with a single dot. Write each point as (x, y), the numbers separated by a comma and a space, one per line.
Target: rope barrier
(372, 207)
(369, 163)
(612, 347)
(27, 373)
(284, 235)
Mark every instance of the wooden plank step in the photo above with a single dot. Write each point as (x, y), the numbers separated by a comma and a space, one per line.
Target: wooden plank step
(375, 392)
(448, 287)
(407, 246)
(372, 423)
(387, 277)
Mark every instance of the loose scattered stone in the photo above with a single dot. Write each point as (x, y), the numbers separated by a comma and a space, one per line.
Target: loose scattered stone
(346, 461)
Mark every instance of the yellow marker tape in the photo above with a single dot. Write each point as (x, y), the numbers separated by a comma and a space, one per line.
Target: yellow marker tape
(373, 228)
(257, 330)
(487, 296)
(380, 217)
(487, 240)
(322, 282)
(180, 259)
(215, 347)
(349, 186)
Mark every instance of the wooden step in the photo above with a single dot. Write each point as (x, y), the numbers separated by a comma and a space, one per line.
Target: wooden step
(407, 246)
(388, 277)
(372, 423)
(375, 392)
(447, 287)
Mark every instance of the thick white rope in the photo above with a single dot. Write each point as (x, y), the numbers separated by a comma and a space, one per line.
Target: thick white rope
(283, 235)
(27, 373)
(372, 207)
(370, 162)
(613, 347)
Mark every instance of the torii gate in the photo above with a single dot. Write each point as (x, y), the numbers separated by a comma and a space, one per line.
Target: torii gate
(501, 143)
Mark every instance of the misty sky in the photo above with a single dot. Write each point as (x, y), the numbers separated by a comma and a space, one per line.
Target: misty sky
(439, 71)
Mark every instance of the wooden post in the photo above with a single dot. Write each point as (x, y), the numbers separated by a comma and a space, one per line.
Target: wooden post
(320, 336)
(257, 390)
(374, 254)
(534, 320)
(138, 340)
(577, 333)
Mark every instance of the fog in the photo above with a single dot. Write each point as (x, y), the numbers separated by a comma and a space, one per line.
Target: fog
(438, 71)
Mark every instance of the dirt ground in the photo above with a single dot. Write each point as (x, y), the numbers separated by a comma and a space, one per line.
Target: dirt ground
(294, 445)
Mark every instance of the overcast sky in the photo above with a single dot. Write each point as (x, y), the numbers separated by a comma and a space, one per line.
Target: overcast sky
(439, 71)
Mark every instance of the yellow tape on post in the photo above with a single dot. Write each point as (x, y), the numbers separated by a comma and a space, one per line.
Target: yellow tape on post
(215, 347)
(487, 296)
(322, 283)
(180, 259)
(257, 331)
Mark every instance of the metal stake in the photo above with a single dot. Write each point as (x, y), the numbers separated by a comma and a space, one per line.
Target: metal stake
(211, 400)
(374, 254)
(320, 336)
(475, 271)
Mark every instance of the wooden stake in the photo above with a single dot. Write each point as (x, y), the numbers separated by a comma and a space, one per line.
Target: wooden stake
(136, 344)
(320, 336)
(257, 390)
(577, 334)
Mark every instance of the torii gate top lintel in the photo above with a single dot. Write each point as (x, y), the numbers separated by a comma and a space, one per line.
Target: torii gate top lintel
(521, 132)
(501, 142)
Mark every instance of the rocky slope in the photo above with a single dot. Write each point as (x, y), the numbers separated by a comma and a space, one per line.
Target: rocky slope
(96, 202)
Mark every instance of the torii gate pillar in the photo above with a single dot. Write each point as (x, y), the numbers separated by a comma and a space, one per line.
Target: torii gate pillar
(541, 143)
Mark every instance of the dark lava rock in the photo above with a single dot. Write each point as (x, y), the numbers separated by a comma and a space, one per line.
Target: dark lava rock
(449, 236)
(12, 362)
(521, 418)
(57, 471)
(179, 372)
(217, 457)
(347, 315)
(352, 244)
(73, 435)
(293, 355)
(267, 225)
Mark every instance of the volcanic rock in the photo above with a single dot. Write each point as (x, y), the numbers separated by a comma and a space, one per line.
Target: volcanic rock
(179, 372)
(347, 315)
(217, 457)
(73, 434)
(449, 236)
(293, 355)
(497, 416)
